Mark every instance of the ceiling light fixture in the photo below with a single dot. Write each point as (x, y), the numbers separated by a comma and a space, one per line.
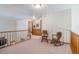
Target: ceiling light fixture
(37, 5)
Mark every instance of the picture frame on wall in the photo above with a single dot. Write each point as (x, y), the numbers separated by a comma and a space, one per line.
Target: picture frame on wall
(37, 25)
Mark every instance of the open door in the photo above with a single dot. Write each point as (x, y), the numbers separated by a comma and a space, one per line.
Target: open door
(36, 27)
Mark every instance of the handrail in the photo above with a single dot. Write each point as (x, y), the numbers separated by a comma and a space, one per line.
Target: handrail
(67, 30)
(63, 28)
(12, 31)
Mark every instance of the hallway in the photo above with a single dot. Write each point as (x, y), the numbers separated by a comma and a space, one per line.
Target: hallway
(35, 46)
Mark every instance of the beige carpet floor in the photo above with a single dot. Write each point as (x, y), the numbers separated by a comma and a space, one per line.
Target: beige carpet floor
(35, 46)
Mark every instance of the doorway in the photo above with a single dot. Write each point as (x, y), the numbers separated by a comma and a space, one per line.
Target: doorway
(37, 27)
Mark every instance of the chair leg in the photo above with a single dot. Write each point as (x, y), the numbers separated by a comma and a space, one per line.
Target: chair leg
(42, 40)
(47, 40)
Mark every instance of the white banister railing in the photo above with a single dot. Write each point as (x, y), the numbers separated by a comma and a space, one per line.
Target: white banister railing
(8, 38)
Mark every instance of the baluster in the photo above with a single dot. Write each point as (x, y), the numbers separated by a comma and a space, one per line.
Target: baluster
(15, 37)
(66, 36)
(63, 35)
(4, 42)
(10, 38)
(19, 37)
(1, 39)
(7, 39)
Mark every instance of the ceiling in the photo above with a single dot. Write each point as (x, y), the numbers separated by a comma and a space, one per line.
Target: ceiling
(23, 11)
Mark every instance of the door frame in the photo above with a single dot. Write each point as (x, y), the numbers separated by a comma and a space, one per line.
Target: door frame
(36, 30)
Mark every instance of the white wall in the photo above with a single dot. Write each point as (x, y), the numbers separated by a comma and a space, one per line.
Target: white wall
(58, 21)
(6, 25)
(75, 18)
(22, 24)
